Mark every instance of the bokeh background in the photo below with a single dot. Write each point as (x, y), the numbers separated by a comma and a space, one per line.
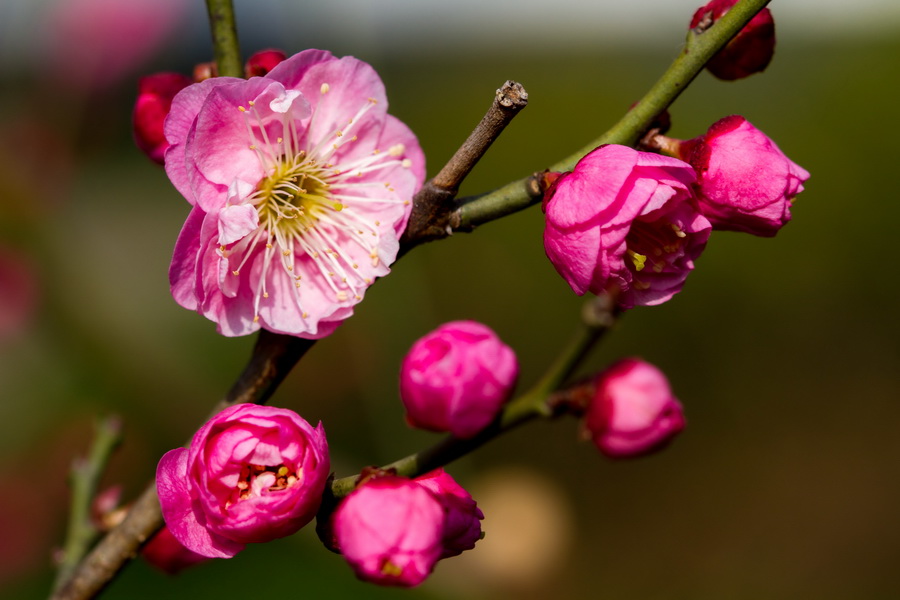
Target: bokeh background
(784, 351)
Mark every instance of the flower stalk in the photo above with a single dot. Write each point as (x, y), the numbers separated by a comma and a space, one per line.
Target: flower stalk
(84, 478)
(598, 318)
(226, 48)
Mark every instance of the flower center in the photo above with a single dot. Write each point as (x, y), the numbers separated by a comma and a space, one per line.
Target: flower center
(254, 479)
(315, 209)
(653, 247)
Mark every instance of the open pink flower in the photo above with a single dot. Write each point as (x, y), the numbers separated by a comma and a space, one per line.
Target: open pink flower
(457, 378)
(749, 52)
(625, 221)
(462, 525)
(301, 185)
(390, 530)
(633, 411)
(252, 474)
(744, 182)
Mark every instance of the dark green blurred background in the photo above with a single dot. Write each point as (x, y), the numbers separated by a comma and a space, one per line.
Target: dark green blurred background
(784, 351)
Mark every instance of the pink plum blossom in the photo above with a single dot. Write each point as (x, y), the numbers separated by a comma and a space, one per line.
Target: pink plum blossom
(301, 185)
(251, 474)
(633, 411)
(390, 530)
(744, 182)
(749, 52)
(155, 94)
(457, 378)
(462, 525)
(625, 221)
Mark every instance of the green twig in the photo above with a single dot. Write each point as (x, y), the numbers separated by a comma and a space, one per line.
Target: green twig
(600, 315)
(700, 47)
(84, 478)
(226, 48)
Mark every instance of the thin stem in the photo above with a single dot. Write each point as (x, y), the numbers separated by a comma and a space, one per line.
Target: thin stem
(599, 316)
(84, 478)
(226, 48)
(700, 47)
(434, 205)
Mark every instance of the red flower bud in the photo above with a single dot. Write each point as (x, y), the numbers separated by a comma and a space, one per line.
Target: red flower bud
(633, 411)
(155, 93)
(749, 52)
(262, 62)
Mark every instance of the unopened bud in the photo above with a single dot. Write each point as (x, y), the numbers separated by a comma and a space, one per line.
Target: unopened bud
(155, 93)
(262, 62)
(749, 52)
(632, 411)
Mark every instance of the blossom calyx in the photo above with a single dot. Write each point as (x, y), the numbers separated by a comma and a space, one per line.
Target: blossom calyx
(625, 222)
(390, 530)
(632, 411)
(744, 181)
(251, 474)
(457, 378)
(748, 52)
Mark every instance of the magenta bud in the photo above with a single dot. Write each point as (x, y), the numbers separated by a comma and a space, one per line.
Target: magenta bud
(462, 525)
(167, 554)
(390, 530)
(251, 474)
(749, 52)
(155, 93)
(633, 411)
(262, 62)
(457, 378)
(744, 181)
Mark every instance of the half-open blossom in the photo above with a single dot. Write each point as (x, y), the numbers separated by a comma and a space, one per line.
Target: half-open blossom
(625, 221)
(457, 378)
(749, 52)
(744, 182)
(633, 411)
(155, 94)
(301, 185)
(462, 525)
(390, 530)
(251, 474)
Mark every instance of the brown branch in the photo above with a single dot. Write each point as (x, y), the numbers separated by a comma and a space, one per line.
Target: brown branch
(434, 206)
(274, 355)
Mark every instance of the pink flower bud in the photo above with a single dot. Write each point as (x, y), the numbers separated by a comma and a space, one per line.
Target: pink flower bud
(457, 378)
(462, 525)
(390, 529)
(167, 554)
(744, 182)
(633, 411)
(155, 93)
(625, 222)
(262, 62)
(252, 474)
(749, 52)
